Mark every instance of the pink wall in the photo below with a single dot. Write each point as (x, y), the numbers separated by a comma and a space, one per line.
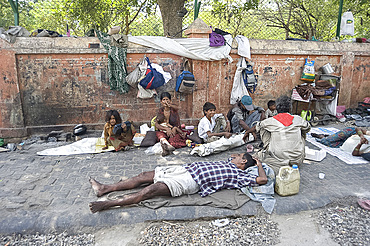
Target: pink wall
(66, 83)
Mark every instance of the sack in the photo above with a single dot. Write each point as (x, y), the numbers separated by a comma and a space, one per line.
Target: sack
(239, 89)
(308, 71)
(249, 78)
(134, 77)
(216, 39)
(153, 79)
(185, 82)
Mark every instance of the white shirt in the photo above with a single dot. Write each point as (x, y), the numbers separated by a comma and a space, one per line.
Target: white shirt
(205, 125)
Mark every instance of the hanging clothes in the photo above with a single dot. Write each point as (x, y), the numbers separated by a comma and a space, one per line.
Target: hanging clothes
(116, 63)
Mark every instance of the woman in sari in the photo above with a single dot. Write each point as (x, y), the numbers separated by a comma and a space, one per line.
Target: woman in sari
(169, 138)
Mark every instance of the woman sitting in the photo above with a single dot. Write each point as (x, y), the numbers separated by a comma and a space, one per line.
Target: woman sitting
(168, 134)
(348, 140)
(283, 137)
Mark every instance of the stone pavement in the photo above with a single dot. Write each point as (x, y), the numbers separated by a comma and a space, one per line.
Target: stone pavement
(51, 193)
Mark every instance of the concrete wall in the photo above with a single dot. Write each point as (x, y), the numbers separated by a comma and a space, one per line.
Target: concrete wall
(56, 83)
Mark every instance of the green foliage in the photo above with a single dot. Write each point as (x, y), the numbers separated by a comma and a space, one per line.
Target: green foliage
(258, 19)
(7, 16)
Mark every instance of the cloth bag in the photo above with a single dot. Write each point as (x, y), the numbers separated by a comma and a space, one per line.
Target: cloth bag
(239, 89)
(153, 79)
(216, 39)
(133, 78)
(347, 24)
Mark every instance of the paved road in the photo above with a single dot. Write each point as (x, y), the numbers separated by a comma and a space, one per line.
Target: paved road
(51, 193)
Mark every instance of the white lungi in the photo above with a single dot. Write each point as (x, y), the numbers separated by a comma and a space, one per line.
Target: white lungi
(177, 178)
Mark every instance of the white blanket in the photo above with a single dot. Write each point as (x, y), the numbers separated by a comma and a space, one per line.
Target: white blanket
(83, 146)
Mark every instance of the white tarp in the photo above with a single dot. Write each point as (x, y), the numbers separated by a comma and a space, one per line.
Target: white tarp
(192, 48)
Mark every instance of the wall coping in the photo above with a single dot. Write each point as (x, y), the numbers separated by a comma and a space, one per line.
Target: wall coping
(69, 45)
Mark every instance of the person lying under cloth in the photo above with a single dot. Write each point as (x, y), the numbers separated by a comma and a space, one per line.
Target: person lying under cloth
(203, 177)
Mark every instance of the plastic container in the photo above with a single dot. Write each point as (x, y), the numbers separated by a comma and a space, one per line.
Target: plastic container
(314, 155)
(287, 181)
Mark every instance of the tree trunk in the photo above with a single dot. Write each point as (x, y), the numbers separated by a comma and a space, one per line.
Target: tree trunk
(172, 22)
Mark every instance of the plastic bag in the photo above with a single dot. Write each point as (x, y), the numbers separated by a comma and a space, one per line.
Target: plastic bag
(145, 93)
(133, 78)
(156, 149)
(308, 71)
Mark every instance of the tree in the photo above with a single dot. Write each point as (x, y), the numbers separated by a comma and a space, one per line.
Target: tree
(308, 19)
(83, 15)
(7, 16)
(233, 12)
(171, 17)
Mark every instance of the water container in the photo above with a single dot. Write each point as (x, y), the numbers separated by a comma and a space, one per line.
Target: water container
(287, 181)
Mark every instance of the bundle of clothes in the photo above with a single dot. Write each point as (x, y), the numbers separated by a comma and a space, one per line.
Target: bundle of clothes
(360, 114)
(323, 89)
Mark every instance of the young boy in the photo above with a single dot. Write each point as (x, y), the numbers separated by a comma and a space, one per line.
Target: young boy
(213, 126)
(271, 109)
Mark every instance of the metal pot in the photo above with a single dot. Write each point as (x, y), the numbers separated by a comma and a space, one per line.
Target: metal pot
(327, 69)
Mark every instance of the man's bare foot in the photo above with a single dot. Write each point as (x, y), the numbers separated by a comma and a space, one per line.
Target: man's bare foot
(97, 187)
(320, 136)
(98, 206)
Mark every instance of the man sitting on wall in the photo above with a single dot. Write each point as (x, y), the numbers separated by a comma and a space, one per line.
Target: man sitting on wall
(205, 177)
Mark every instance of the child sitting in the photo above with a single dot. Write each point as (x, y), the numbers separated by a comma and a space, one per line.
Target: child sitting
(117, 134)
(271, 109)
(161, 121)
(213, 126)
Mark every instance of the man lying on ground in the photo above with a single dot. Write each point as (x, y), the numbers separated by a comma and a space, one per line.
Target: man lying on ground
(205, 177)
(350, 139)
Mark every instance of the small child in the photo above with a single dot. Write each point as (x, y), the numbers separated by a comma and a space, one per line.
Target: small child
(124, 132)
(213, 126)
(271, 109)
(161, 121)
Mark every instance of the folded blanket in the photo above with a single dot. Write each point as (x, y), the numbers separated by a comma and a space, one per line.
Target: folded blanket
(231, 199)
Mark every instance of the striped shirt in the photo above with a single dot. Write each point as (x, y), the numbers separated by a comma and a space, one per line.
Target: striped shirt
(214, 176)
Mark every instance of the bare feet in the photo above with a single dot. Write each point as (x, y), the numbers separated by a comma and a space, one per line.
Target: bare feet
(320, 136)
(97, 187)
(98, 206)
(167, 149)
(170, 147)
